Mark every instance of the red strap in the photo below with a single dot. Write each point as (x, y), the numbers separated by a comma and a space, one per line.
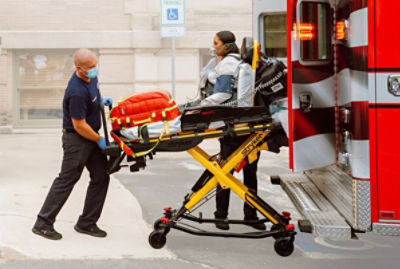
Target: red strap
(123, 146)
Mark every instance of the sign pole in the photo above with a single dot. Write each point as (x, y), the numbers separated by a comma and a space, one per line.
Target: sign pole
(173, 66)
(172, 15)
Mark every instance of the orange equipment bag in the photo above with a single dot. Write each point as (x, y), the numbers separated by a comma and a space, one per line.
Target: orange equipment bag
(143, 108)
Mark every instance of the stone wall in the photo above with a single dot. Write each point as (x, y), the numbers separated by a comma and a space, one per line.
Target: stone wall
(125, 33)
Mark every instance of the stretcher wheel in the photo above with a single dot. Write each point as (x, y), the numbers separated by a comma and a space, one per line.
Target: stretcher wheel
(157, 239)
(284, 246)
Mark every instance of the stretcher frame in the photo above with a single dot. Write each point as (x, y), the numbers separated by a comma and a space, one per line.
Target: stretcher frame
(217, 172)
(220, 174)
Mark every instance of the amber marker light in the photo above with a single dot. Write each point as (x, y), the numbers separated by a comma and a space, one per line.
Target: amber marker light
(340, 30)
(303, 31)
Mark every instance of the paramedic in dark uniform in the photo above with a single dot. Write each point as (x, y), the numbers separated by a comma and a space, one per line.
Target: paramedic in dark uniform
(82, 146)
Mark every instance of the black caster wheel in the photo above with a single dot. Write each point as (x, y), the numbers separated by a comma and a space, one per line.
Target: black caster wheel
(157, 239)
(284, 246)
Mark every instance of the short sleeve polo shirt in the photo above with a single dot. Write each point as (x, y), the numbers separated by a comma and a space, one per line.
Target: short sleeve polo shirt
(81, 101)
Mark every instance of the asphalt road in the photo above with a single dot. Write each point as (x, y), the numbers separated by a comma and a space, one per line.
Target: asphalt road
(169, 177)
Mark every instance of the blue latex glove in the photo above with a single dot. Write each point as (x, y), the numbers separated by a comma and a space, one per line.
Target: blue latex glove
(106, 100)
(102, 143)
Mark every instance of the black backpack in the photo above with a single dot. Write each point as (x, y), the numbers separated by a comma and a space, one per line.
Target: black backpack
(271, 81)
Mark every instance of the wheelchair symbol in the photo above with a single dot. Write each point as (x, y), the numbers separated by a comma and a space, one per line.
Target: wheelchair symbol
(172, 14)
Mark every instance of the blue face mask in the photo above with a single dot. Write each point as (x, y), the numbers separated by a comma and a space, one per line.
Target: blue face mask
(92, 73)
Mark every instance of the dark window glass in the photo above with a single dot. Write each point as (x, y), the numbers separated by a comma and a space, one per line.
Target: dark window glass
(275, 35)
(315, 31)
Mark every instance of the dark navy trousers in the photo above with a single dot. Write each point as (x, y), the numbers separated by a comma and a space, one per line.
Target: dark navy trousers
(78, 154)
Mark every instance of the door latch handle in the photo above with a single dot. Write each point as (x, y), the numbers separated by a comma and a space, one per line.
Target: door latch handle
(394, 84)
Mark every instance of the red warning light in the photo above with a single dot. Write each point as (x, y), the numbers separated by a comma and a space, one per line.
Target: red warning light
(303, 31)
(306, 31)
(340, 30)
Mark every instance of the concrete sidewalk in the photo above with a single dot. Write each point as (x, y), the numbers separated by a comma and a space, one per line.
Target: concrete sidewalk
(28, 165)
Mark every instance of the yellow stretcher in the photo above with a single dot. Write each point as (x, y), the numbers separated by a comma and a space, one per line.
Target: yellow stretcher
(238, 121)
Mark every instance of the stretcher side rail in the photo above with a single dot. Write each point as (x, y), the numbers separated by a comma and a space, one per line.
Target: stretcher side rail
(198, 119)
(137, 151)
(194, 120)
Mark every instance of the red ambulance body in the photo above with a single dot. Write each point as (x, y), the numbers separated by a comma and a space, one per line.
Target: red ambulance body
(343, 59)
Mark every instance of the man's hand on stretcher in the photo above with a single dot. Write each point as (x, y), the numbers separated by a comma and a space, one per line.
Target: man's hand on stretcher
(84, 130)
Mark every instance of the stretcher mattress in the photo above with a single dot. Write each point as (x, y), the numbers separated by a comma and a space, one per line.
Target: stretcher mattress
(195, 127)
(200, 119)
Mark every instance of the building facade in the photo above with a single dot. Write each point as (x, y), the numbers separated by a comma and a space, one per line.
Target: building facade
(38, 39)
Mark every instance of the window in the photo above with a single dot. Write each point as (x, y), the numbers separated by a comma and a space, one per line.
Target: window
(315, 32)
(41, 78)
(275, 35)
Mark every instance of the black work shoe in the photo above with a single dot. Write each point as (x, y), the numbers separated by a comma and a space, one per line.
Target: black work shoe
(256, 225)
(221, 225)
(92, 230)
(48, 233)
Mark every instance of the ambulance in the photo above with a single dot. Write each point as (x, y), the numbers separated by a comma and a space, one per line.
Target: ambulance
(343, 59)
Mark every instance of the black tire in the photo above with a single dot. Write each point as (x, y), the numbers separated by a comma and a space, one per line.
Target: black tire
(157, 239)
(284, 246)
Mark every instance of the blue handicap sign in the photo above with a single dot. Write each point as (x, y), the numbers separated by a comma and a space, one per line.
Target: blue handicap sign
(172, 14)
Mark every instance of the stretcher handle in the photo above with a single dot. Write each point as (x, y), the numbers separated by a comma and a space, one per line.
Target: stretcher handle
(103, 117)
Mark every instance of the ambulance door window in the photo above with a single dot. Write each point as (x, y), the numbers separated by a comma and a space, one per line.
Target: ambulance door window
(275, 35)
(315, 32)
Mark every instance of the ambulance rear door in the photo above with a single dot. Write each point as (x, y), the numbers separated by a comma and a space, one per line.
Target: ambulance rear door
(311, 84)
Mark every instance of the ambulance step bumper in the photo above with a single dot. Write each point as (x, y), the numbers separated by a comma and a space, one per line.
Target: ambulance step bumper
(323, 217)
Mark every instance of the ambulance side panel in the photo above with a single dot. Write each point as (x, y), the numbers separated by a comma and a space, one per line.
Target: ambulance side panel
(384, 61)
